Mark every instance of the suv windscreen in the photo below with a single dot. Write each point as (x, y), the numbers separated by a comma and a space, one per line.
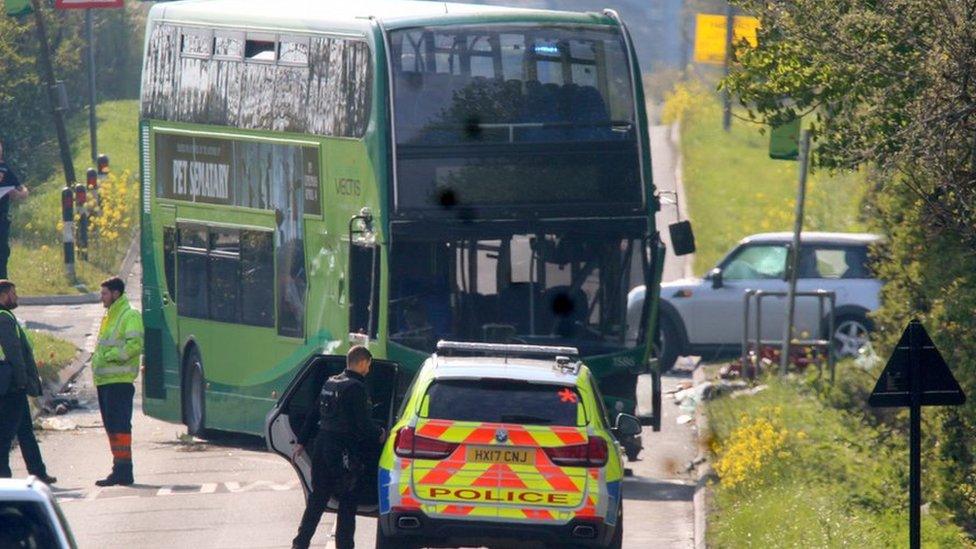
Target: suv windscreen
(503, 401)
(756, 262)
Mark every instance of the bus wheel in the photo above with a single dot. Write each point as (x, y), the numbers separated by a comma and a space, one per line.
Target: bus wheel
(194, 386)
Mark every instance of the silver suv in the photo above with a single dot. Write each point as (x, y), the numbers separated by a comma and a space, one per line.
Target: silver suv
(704, 316)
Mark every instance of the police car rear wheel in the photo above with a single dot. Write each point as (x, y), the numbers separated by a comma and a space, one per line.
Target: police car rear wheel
(194, 384)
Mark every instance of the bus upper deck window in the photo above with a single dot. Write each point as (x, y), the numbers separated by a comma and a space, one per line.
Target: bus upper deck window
(260, 49)
(293, 51)
(196, 43)
(228, 46)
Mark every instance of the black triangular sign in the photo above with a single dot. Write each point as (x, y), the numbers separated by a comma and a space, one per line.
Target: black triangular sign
(938, 386)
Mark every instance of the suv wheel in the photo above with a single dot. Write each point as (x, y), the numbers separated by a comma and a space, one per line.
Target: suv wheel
(850, 334)
(670, 342)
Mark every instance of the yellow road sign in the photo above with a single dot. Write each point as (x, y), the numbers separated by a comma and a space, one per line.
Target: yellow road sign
(710, 36)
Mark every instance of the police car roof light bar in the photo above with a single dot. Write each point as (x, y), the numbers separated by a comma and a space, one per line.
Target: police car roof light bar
(465, 348)
(567, 365)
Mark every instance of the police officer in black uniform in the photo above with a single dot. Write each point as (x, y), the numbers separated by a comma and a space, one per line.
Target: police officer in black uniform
(344, 434)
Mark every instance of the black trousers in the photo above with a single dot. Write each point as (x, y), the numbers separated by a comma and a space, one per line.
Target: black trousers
(28, 445)
(11, 414)
(326, 483)
(4, 246)
(115, 404)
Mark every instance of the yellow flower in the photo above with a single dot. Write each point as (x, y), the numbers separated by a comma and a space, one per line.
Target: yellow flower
(750, 447)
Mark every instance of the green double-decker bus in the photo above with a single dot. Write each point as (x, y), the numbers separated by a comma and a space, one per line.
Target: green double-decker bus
(396, 173)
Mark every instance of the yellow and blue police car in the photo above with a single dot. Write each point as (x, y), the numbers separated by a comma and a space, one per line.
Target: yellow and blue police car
(502, 444)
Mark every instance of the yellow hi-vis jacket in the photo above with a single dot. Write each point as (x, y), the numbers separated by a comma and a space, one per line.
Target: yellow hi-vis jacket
(116, 359)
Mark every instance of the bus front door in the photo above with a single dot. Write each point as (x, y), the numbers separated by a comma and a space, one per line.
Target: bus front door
(159, 312)
(288, 416)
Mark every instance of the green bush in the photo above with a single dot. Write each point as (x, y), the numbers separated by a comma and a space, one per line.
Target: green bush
(838, 481)
(930, 274)
(886, 87)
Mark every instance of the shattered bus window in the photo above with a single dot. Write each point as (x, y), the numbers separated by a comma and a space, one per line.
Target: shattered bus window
(318, 85)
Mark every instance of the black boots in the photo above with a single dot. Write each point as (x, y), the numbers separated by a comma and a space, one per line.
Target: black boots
(121, 475)
(46, 478)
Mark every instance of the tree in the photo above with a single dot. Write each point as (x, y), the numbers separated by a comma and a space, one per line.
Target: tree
(891, 86)
(24, 110)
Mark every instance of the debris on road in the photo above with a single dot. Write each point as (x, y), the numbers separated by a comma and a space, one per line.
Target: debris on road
(57, 424)
(185, 442)
(867, 359)
(680, 387)
(61, 404)
(693, 464)
(689, 398)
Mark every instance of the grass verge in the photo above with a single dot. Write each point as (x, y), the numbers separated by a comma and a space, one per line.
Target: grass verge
(36, 262)
(51, 353)
(734, 189)
(795, 472)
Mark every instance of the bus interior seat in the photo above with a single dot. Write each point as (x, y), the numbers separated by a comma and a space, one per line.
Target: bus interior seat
(513, 303)
(530, 101)
(474, 310)
(562, 309)
(498, 333)
(589, 113)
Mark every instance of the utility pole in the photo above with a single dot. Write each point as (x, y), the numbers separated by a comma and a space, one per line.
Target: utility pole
(726, 96)
(92, 131)
(794, 257)
(47, 73)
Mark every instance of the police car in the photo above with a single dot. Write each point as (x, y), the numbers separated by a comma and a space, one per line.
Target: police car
(490, 445)
(502, 444)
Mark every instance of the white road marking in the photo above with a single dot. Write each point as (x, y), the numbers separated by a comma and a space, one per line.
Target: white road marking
(259, 485)
(169, 490)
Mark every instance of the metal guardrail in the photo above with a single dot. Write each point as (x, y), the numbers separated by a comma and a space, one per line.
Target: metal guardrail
(824, 297)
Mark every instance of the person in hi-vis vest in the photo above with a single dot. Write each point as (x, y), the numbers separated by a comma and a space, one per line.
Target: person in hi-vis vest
(115, 366)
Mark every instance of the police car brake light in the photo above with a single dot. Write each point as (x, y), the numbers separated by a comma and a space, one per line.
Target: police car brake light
(409, 444)
(592, 454)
